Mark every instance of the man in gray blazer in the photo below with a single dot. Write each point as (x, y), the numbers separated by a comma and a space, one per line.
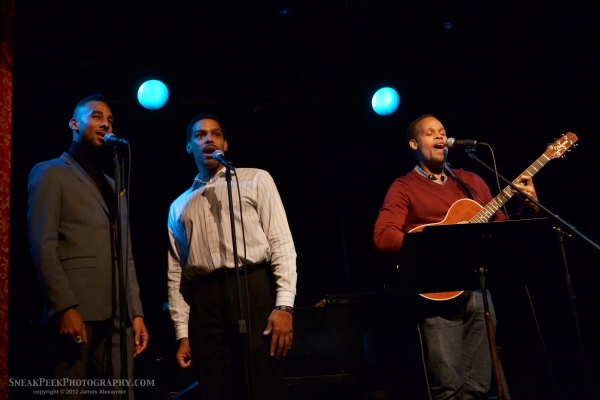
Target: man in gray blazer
(72, 217)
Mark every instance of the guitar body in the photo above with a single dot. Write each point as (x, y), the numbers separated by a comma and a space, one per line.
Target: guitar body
(460, 212)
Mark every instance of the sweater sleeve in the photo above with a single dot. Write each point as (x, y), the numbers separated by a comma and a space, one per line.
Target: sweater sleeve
(388, 234)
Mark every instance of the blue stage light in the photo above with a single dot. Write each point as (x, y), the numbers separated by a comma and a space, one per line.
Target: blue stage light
(153, 94)
(385, 101)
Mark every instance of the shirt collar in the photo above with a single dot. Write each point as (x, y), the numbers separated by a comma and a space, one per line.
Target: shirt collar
(428, 176)
(198, 183)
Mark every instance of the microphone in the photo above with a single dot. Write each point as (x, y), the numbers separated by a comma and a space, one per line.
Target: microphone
(451, 142)
(220, 157)
(110, 138)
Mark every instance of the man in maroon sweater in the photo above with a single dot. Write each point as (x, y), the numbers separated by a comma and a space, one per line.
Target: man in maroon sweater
(453, 331)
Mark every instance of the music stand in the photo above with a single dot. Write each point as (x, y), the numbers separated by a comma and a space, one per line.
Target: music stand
(444, 258)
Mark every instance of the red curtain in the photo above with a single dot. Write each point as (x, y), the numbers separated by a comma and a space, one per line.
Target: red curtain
(6, 78)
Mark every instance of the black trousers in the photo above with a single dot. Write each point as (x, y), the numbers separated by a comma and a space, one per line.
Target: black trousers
(218, 349)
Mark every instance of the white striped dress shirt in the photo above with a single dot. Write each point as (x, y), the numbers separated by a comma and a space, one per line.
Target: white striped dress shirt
(200, 236)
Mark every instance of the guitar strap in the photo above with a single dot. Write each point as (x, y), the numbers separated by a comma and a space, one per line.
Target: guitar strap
(464, 185)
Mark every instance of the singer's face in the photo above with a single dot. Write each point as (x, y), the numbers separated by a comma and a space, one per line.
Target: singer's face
(91, 122)
(207, 137)
(430, 144)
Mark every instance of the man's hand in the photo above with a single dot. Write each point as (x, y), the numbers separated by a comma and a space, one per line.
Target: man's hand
(72, 325)
(280, 324)
(184, 353)
(529, 189)
(140, 335)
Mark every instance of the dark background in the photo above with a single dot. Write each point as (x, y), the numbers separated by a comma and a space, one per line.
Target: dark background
(293, 81)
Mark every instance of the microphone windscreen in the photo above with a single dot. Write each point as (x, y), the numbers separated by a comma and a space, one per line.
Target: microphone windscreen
(107, 137)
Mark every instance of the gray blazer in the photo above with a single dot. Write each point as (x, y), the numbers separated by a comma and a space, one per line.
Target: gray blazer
(71, 245)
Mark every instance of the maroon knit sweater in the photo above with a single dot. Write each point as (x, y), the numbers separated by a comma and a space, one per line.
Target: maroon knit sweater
(414, 200)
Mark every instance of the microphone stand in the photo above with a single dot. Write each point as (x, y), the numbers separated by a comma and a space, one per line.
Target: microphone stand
(242, 321)
(471, 154)
(122, 259)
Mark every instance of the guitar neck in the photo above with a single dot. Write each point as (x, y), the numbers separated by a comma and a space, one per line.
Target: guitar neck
(490, 209)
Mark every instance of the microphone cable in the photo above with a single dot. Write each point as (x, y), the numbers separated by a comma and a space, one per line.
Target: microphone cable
(543, 343)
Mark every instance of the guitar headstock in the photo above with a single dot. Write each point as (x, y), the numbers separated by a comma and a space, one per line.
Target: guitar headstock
(560, 146)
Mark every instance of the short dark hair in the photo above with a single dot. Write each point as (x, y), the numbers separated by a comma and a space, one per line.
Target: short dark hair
(85, 100)
(411, 132)
(199, 117)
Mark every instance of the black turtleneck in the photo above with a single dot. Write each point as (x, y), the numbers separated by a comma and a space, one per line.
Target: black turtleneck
(89, 159)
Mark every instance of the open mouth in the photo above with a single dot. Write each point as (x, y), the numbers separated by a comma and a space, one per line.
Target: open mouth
(101, 135)
(208, 151)
(439, 146)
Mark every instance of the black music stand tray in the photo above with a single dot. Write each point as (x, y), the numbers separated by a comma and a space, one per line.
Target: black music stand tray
(445, 258)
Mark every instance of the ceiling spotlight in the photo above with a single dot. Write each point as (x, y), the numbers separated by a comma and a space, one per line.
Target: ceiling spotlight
(385, 101)
(153, 94)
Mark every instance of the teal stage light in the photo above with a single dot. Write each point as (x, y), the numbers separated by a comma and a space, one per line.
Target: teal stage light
(385, 101)
(153, 94)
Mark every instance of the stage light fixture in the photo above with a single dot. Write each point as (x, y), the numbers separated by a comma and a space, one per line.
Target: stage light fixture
(153, 94)
(385, 101)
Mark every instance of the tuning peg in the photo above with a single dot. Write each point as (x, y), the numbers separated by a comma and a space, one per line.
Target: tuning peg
(548, 144)
(554, 139)
(575, 146)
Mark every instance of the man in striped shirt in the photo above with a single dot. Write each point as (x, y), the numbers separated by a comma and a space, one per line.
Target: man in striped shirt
(203, 295)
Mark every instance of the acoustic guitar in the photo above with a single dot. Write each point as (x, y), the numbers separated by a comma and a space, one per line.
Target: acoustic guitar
(466, 211)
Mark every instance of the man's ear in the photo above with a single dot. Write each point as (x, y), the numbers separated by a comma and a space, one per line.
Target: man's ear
(74, 125)
(413, 144)
(188, 147)
(225, 146)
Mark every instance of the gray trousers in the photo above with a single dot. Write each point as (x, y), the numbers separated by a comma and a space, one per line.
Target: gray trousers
(88, 367)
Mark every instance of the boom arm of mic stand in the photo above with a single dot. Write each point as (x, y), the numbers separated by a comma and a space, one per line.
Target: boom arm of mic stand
(474, 157)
